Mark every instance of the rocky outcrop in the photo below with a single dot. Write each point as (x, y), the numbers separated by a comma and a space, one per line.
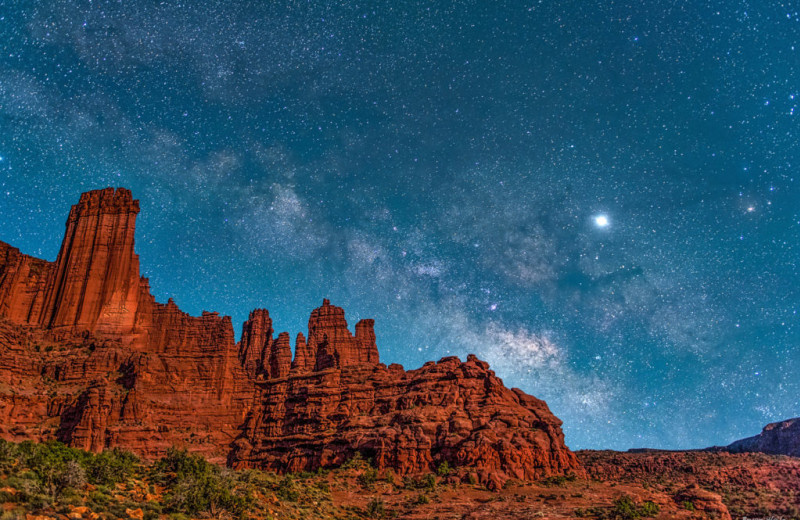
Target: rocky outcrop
(279, 360)
(23, 284)
(256, 338)
(96, 283)
(413, 421)
(704, 501)
(89, 357)
(779, 438)
(304, 358)
(330, 343)
(104, 363)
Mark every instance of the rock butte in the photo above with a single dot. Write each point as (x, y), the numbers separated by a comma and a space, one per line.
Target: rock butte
(91, 359)
(779, 438)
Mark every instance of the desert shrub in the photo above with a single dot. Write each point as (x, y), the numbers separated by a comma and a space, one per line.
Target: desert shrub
(649, 508)
(375, 508)
(197, 486)
(14, 514)
(8, 454)
(427, 482)
(99, 498)
(444, 469)
(180, 464)
(558, 480)
(356, 461)
(421, 499)
(286, 490)
(211, 493)
(111, 467)
(625, 509)
(55, 467)
(368, 477)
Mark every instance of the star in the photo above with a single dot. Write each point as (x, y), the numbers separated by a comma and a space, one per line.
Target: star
(601, 221)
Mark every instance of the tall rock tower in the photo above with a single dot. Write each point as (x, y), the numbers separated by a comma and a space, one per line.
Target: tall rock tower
(96, 282)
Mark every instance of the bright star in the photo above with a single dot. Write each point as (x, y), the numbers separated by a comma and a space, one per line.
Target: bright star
(601, 220)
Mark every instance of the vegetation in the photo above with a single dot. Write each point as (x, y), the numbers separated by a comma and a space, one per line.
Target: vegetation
(55, 481)
(196, 486)
(52, 479)
(368, 477)
(426, 482)
(624, 508)
(375, 509)
(558, 480)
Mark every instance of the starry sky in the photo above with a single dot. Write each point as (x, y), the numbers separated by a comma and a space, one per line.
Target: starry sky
(600, 198)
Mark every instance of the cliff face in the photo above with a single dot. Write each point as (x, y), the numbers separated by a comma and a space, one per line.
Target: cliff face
(407, 420)
(105, 364)
(89, 357)
(780, 438)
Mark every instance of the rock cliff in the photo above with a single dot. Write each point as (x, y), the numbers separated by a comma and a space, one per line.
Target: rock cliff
(779, 438)
(89, 357)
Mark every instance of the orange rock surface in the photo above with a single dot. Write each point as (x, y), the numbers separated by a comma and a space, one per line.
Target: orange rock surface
(87, 356)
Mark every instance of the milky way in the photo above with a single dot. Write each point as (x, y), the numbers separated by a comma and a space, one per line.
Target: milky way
(599, 198)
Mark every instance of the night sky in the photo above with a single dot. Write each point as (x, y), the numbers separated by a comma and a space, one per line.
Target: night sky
(600, 198)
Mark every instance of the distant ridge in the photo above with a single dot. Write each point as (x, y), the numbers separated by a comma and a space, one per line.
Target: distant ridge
(778, 438)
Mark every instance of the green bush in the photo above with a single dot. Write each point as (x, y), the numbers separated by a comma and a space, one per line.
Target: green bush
(286, 490)
(375, 508)
(649, 508)
(444, 469)
(558, 480)
(111, 467)
(421, 499)
(626, 509)
(14, 514)
(368, 477)
(356, 461)
(197, 486)
(55, 467)
(428, 482)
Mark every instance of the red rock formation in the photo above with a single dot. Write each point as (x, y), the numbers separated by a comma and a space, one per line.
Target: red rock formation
(127, 371)
(365, 340)
(256, 338)
(331, 343)
(736, 476)
(409, 421)
(89, 357)
(96, 283)
(279, 359)
(23, 283)
(779, 438)
(704, 501)
(304, 358)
